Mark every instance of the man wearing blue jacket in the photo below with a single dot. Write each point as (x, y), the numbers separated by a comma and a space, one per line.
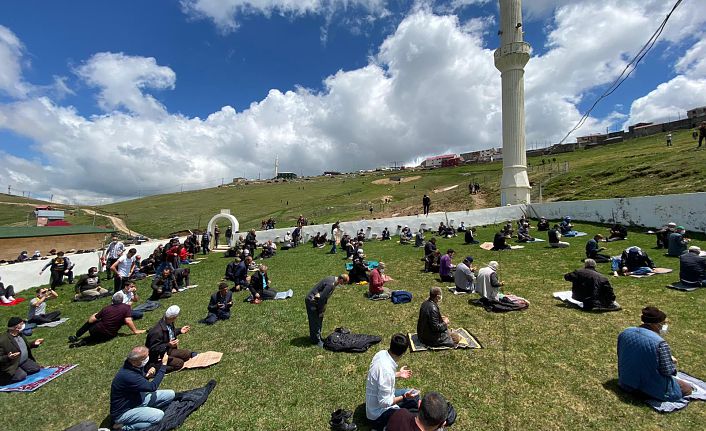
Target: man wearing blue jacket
(136, 402)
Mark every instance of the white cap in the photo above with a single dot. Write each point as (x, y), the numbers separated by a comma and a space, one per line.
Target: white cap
(493, 265)
(695, 249)
(172, 311)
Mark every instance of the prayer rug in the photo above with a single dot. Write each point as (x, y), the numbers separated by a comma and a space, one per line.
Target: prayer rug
(535, 240)
(37, 380)
(655, 271)
(284, 295)
(566, 298)
(681, 286)
(698, 393)
(15, 302)
(453, 290)
(574, 234)
(489, 246)
(54, 323)
(468, 341)
(203, 360)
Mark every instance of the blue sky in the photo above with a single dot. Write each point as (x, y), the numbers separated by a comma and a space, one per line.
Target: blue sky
(219, 87)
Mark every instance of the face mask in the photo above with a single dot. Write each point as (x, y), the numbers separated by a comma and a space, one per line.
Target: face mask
(663, 330)
(144, 362)
(441, 297)
(22, 327)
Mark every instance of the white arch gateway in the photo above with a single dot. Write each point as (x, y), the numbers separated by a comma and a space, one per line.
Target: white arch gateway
(225, 213)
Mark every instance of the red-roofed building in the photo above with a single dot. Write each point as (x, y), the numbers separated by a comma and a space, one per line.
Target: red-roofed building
(442, 161)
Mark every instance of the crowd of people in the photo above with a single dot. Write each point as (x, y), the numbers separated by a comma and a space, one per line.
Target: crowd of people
(137, 402)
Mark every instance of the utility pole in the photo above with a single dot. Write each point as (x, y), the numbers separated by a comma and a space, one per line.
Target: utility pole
(9, 190)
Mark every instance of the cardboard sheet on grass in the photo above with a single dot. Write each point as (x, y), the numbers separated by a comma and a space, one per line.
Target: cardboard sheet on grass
(683, 287)
(655, 271)
(489, 246)
(468, 341)
(203, 360)
(698, 393)
(38, 379)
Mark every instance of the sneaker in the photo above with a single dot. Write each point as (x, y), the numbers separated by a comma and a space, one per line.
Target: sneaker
(73, 339)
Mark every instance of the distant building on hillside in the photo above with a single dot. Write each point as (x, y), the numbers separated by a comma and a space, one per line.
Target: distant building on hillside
(444, 160)
(286, 175)
(47, 217)
(696, 112)
(483, 156)
(331, 173)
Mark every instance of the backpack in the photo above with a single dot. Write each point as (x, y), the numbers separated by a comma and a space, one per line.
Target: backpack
(401, 296)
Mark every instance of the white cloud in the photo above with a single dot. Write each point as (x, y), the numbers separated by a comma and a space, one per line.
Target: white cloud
(430, 88)
(11, 50)
(225, 14)
(122, 80)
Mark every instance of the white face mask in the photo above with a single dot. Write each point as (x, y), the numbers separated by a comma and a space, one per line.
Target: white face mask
(144, 362)
(441, 297)
(22, 327)
(663, 330)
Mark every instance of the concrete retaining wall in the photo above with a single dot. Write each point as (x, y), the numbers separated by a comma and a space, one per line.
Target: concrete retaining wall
(688, 210)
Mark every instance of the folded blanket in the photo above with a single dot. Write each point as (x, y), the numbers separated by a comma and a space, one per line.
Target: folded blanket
(699, 393)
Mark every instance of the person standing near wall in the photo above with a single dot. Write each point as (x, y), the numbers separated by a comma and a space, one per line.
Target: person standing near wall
(426, 204)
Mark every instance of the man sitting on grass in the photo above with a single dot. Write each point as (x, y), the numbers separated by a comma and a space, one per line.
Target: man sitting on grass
(433, 412)
(162, 340)
(618, 232)
(692, 268)
(381, 397)
(592, 288)
(7, 293)
(163, 284)
(469, 236)
(219, 305)
(677, 242)
(464, 278)
(405, 235)
(376, 288)
(260, 286)
(419, 238)
(523, 234)
(432, 327)
(645, 362)
(385, 236)
(16, 360)
(38, 307)
(104, 325)
(446, 268)
(593, 250)
(555, 238)
(238, 273)
(135, 402)
(487, 283)
(500, 241)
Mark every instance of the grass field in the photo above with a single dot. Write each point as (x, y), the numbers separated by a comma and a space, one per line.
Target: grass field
(547, 368)
(634, 168)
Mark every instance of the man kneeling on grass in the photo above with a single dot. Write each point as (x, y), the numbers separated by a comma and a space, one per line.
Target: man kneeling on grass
(135, 402)
(432, 327)
(592, 288)
(219, 305)
(162, 340)
(645, 362)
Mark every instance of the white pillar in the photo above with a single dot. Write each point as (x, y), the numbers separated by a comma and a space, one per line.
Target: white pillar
(510, 60)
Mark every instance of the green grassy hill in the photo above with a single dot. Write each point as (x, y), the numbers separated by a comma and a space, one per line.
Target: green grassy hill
(638, 167)
(547, 368)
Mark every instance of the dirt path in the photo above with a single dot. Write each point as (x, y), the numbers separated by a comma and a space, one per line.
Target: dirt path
(117, 222)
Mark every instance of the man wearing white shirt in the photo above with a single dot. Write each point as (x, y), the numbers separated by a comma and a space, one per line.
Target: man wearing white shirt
(381, 397)
(112, 253)
(123, 268)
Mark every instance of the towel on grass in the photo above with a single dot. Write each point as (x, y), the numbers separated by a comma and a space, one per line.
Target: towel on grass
(38, 379)
(15, 302)
(54, 323)
(566, 298)
(655, 271)
(574, 234)
(681, 286)
(468, 341)
(535, 240)
(698, 393)
(453, 290)
(372, 264)
(280, 295)
(203, 360)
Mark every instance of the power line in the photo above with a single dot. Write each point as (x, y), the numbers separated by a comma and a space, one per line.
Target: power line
(627, 71)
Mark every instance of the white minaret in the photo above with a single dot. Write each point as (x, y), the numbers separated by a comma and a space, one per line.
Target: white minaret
(276, 166)
(510, 60)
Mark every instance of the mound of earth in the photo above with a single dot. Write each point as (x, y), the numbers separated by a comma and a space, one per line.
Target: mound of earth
(393, 180)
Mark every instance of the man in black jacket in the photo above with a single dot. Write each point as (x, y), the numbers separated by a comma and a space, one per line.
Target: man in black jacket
(162, 339)
(591, 287)
(16, 360)
(692, 268)
(219, 306)
(260, 285)
(316, 301)
(237, 272)
(432, 327)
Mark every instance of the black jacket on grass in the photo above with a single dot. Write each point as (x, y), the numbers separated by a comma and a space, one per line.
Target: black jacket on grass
(127, 386)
